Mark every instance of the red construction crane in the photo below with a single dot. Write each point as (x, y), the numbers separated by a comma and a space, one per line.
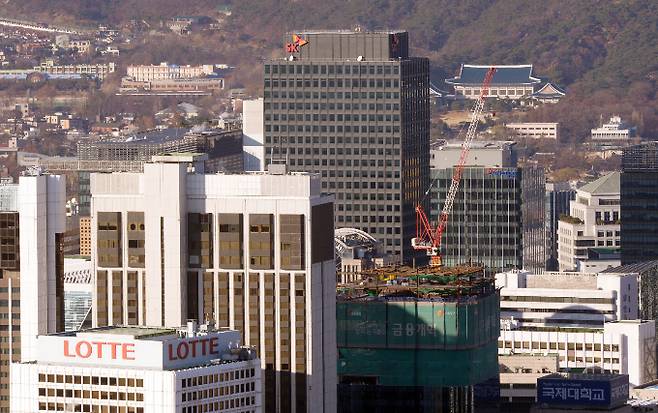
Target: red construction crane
(428, 238)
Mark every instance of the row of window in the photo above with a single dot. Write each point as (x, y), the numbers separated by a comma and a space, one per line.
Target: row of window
(543, 345)
(96, 380)
(364, 69)
(90, 394)
(215, 392)
(91, 408)
(217, 378)
(332, 83)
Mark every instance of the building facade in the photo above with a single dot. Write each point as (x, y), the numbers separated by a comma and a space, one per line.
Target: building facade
(78, 289)
(534, 130)
(558, 199)
(485, 153)
(639, 203)
(354, 107)
(614, 130)
(253, 252)
(497, 218)
(509, 81)
(139, 370)
(166, 71)
(32, 226)
(591, 231)
(252, 135)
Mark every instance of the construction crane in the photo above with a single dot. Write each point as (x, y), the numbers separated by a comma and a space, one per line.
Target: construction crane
(428, 238)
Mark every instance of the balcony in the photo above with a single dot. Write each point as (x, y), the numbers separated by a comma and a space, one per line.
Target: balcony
(571, 220)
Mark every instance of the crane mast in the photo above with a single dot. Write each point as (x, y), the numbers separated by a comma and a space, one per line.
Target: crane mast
(428, 238)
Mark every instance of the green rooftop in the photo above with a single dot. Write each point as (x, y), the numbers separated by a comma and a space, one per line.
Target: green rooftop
(605, 185)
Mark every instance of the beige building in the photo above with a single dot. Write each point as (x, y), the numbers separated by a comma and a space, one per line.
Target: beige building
(85, 236)
(589, 237)
(546, 130)
(165, 71)
(253, 252)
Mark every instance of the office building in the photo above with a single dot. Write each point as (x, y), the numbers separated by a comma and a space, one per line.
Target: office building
(78, 290)
(590, 321)
(639, 203)
(509, 81)
(484, 153)
(32, 225)
(497, 218)
(353, 106)
(416, 339)
(589, 237)
(518, 378)
(85, 236)
(534, 130)
(647, 274)
(567, 299)
(139, 370)
(613, 131)
(357, 251)
(252, 135)
(558, 198)
(128, 154)
(253, 252)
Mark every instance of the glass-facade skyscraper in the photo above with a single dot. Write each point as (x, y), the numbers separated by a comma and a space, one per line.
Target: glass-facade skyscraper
(354, 107)
(639, 203)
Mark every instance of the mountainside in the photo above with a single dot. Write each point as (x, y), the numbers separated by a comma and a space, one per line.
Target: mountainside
(582, 45)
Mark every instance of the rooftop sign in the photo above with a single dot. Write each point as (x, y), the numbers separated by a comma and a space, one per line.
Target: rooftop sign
(162, 353)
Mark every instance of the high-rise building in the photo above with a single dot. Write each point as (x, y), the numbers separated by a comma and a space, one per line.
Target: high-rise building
(639, 203)
(139, 370)
(416, 339)
(32, 225)
(253, 252)
(353, 106)
(558, 197)
(497, 218)
(588, 238)
(78, 290)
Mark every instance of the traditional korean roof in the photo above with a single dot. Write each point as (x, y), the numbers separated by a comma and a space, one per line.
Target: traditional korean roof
(549, 91)
(505, 75)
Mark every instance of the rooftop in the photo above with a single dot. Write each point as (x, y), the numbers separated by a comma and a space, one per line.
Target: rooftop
(421, 283)
(135, 332)
(638, 267)
(605, 185)
(505, 74)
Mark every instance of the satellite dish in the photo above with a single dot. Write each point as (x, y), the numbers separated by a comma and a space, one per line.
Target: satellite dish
(359, 59)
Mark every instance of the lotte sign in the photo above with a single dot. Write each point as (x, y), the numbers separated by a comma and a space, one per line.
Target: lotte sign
(155, 352)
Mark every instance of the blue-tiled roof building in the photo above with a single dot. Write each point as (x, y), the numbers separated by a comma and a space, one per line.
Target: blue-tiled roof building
(509, 81)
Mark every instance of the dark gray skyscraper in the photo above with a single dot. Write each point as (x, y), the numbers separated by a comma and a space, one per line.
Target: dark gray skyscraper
(354, 107)
(639, 203)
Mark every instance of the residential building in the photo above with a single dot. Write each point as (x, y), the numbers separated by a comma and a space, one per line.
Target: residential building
(558, 198)
(78, 290)
(100, 71)
(614, 130)
(252, 252)
(353, 106)
(535, 130)
(497, 218)
(253, 135)
(591, 231)
(639, 203)
(32, 224)
(485, 153)
(139, 370)
(509, 81)
(166, 71)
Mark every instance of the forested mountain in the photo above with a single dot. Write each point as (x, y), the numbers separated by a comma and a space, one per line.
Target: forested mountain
(583, 45)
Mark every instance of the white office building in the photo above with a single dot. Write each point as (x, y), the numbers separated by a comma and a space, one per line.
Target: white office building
(588, 320)
(78, 290)
(614, 130)
(253, 252)
(535, 130)
(139, 370)
(571, 300)
(253, 135)
(589, 237)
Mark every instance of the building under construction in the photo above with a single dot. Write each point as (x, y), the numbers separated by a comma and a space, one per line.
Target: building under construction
(422, 339)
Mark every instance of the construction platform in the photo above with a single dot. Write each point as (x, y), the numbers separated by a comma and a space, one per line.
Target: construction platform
(422, 283)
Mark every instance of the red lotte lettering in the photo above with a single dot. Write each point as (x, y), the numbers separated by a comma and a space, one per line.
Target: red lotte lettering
(99, 350)
(193, 348)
